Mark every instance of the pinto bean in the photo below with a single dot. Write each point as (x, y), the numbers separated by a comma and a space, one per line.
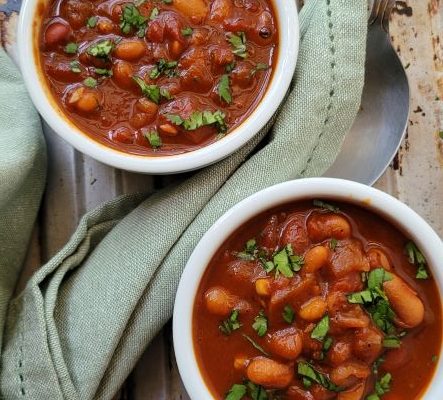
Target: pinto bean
(407, 305)
(130, 50)
(345, 374)
(377, 258)
(316, 258)
(323, 226)
(286, 343)
(220, 301)
(84, 100)
(313, 309)
(168, 129)
(194, 9)
(122, 73)
(57, 33)
(354, 393)
(241, 362)
(269, 373)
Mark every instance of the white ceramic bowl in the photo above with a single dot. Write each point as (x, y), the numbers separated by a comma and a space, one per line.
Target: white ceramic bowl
(394, 211)
(286, 13)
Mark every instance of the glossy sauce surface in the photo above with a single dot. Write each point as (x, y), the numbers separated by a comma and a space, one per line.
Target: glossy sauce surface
(158, 77)
(349, 246)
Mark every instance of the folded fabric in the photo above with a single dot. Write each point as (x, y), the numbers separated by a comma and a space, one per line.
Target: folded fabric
(86, 316)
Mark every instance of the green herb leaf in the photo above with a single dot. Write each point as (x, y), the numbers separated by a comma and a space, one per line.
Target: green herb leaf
(162, 66)
(391, 342)
(260, 324)
(307, 371)
(259, 67)
(256, 392)
(199, 119)
(238, 44)
(326, 206)
(417, 258)
(288, 314)
(91, 22)
(321, 329)
(230, 67)
(376, 365)
(327, 344)
(167, 1)
(282, 265)
(255, 344)
(377, 277)
(237, 392)
(154, 13)
(333, 244)
(75, 66)
(231, 324)
(131, 18)
(382, 386)
(187, 31)
(152, 92)
(90, 82)
(224, 89)
(296, 262)
(101, 49)
(103, 71)
(71, 48)
(153, 138)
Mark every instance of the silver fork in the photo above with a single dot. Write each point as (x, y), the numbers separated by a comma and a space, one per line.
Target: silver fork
(380, 126)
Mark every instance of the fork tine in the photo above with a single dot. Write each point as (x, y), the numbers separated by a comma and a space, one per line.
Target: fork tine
(378, 11)
(386, 14)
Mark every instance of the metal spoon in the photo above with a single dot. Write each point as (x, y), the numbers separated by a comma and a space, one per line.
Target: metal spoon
(380, 127)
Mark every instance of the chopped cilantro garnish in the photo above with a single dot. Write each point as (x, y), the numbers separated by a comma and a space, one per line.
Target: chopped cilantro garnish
(255, 345)
(75, 66)
(101, 49)
(391, 342)
(286, 262)
(308, 373)
(153, 138)
(131, 18)
(167, 1)
(187, 31)
(162, 66)
(231, 324)
(230, 67)
(376, 301)
(333, 244)
(417, 258)
(224, 89)
(321, 329)
(326, 206)
(288, 314)
(199, 119)
(260, 324)
(238, 44)
(248, 388)
(237, 392)
(91, 22)
(103, 71)
(154, 13)
(327, 344)
(382, 386)
(152, 92)
(90, 82)
(71, 48)
(259, 67)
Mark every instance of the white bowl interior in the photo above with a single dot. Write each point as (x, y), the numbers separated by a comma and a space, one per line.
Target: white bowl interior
(394, 211)
(286, 13)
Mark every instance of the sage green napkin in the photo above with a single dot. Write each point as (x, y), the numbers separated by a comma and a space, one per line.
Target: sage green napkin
(86, 316)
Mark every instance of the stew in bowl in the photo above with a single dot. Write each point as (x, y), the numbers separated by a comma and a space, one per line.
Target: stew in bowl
(316, 300)
(154, 85)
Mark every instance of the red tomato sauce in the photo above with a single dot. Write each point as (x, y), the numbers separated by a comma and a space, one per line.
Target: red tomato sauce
(333, 259)
(158, 77)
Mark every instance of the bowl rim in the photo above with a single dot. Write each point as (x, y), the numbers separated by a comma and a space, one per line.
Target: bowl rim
(374, 200)
(289, 36)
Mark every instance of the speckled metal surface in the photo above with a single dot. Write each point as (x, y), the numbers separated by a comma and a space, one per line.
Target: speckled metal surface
(77, 183)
